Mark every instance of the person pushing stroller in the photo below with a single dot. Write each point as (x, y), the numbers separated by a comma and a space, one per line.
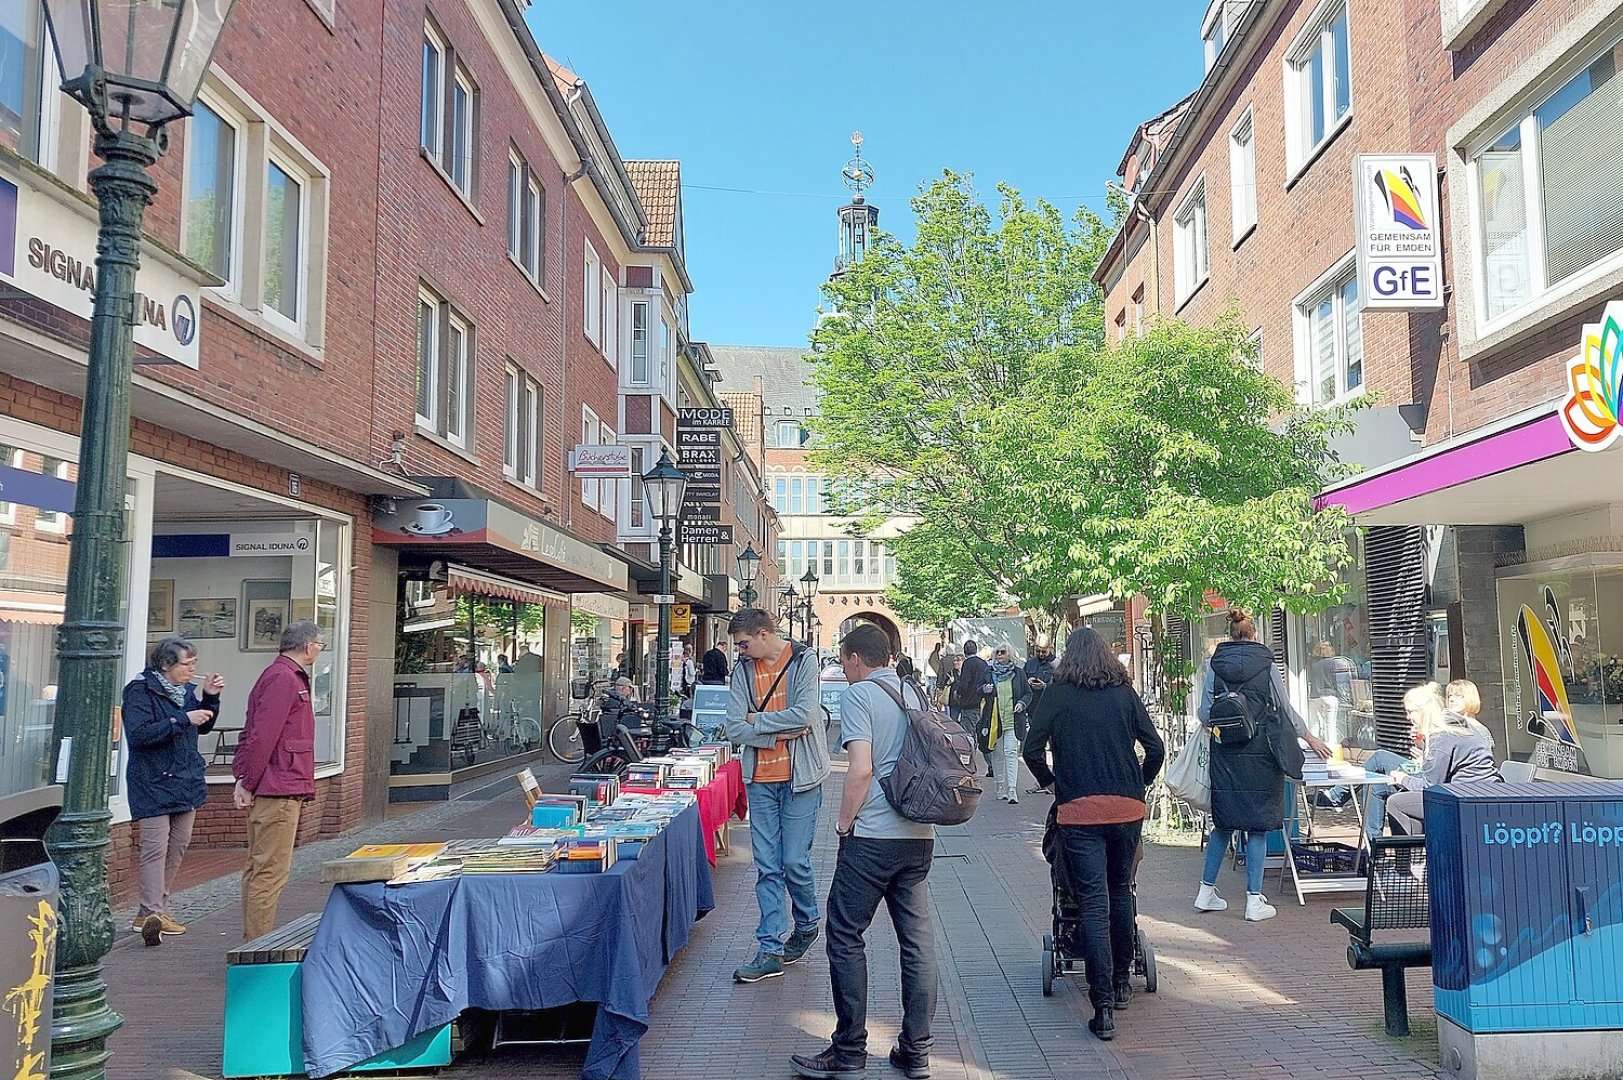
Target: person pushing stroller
(1093, 718)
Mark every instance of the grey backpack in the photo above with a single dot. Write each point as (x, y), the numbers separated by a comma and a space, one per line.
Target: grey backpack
(934, 780)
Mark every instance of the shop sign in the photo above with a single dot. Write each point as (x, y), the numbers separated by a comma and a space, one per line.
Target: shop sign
(704, 532)
(605, 461)
(607, 607)
(36, 489)
(48, 250)
(483, 521)
(1399, 259)
(1595, 382)
(228, 545)
(704, 418)
(260, 544)
(681, 618)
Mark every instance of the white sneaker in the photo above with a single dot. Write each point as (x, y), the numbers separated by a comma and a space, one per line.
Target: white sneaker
(1208, 900)
(1257, 907)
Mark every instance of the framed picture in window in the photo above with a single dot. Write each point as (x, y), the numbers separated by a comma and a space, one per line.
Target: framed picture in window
(160, 607)
(207, 617)
(266, 611)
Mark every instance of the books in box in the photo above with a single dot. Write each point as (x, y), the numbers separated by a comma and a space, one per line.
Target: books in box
(645, 774)
(558, 811)
(587, 855)
(601, 788)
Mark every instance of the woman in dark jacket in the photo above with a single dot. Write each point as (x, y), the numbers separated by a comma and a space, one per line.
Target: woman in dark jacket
(163, 716)
(1093, 718)
(1248, 780)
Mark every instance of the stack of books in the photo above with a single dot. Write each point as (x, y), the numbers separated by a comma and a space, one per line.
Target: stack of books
(718, 754)
(558, 811)
(648, 773)
(587, 855)
(599, 788)
(689, 773)
(530, 836)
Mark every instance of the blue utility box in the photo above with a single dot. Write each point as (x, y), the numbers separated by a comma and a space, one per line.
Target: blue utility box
(1526, 884)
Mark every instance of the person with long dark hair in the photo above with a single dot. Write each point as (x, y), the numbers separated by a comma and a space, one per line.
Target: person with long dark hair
(1092, 717)
(1248, 779)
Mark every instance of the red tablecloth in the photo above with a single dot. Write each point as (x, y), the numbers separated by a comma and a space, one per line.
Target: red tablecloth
(722, 798)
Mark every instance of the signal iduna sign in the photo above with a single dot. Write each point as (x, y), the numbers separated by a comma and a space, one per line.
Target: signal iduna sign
(1400, 262)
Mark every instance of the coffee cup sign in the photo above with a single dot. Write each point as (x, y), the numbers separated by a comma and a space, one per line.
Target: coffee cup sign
(432, 517)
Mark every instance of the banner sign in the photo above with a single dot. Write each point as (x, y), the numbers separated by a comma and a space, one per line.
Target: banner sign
(704, 418)
(704, 532)
(1399, 258)
(604, 461)
(48, 250)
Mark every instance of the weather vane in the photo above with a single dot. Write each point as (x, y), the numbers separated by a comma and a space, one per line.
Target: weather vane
(857, 174)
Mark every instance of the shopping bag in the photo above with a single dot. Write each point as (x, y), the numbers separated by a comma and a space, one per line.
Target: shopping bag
(1190, 775)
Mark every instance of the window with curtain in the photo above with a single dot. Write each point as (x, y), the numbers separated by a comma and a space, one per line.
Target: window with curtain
(1191, 264)
(1334, 339)
(1542, 218)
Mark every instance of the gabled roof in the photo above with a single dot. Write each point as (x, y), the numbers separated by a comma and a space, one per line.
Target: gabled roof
(785, 373)
(659, 186)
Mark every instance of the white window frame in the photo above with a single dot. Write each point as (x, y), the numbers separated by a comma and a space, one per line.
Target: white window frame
(590, 431)
(301, 292)
(1243, 177)
(1192, 242)
(1300, 147)
(1214, 32)
(526, 215)
(1542, 295)
(463, 132)
(431, 125)
(440, 135)
(1330, 282)
(428, 368)
(438, 421)
(1253, 353)
(607, 488)
(53, 521)
(521, 443)
(46, 80)
(638, 337)
(611, 318)
(1138, 310)
(232, 289)
(591, 296)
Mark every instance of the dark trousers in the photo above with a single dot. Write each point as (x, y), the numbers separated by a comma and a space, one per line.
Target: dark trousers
(866, 872)
(1406, 810)
(1099, 874)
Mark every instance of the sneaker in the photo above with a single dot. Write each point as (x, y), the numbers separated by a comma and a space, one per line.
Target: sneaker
(1124, 994)
(152, 930)
(1257, 907)
(1325, 801)
(765, 966)
(912, 1066)
(169, 926)
(989, 774)
(798, 945)
(1208, 900)
(1103, 1024)
(830, 1066)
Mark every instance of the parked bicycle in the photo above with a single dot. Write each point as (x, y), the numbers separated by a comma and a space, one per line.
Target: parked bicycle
(564, 737)
(638, 734)
(511, 732)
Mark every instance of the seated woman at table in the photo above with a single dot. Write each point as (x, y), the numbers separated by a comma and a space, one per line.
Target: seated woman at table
(1455, 749)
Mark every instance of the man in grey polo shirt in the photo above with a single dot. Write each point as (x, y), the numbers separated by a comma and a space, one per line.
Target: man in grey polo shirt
(883, 856)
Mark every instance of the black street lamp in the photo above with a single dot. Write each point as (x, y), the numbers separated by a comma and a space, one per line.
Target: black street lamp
(749, 565)
(790, 605)
(665, 484)
(130, 63)
(808, 593)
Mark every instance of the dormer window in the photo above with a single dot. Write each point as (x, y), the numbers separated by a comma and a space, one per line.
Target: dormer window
(1214, 32)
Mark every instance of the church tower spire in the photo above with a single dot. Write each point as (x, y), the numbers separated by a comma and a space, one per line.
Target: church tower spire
(857, 218)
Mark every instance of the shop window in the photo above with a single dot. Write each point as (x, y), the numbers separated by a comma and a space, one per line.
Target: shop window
(1330, 357)
(1335, 648)
(1542, 222)
(1318, 85)
(51, 520)
(1191, 265)
(12, 458)
(444, 368)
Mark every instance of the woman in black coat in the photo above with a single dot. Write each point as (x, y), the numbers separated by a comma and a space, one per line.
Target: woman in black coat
(1248, 780)
(1094, 721)
(163, 716)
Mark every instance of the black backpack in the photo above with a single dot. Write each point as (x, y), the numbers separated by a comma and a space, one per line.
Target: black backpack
(934, 779)
(1234, 715)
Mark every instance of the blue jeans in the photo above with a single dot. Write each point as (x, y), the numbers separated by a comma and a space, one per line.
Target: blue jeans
(1381, 761)
(782, 825)
(1256, 857)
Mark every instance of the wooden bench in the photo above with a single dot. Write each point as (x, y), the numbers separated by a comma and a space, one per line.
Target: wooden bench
(1395, 898)
(284, 945)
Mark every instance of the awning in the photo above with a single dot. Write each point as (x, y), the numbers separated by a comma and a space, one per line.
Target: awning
(1093, 605)
(688, 586)
(483, 534)
(1522, 468)
(466, 581)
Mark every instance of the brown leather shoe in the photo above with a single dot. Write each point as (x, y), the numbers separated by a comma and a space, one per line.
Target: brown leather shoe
(170, 926)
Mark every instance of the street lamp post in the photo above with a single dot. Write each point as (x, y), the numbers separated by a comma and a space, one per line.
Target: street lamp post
(808, 593)
(790, 605)
(749, 565)
(665, 484)
(130, 63)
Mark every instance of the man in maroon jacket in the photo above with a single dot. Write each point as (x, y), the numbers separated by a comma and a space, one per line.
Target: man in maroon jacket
(275, 767)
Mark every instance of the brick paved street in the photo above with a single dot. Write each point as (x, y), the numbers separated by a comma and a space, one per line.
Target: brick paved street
(1237, 999)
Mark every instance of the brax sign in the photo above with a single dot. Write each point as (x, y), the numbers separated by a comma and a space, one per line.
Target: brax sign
(48, 250)
(1399, 260)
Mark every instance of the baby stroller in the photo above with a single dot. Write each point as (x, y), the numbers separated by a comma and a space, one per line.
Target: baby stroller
(1062, 946)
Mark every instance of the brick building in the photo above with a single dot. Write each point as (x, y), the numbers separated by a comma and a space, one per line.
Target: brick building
(1249, 205)
(370, 341)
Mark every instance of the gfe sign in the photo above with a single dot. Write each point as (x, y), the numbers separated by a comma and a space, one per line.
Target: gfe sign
(1399, 258)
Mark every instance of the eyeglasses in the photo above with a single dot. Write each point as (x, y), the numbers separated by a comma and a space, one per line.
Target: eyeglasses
(319, 644)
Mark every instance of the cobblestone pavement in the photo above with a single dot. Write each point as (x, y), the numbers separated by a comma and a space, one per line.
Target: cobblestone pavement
(1236, 999)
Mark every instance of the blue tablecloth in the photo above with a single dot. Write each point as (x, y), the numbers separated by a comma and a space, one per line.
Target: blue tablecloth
(390, 962)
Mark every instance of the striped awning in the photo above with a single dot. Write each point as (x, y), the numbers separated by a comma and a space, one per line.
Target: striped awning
(466, 581)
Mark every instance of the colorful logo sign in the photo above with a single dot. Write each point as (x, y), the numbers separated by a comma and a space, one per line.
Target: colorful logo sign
(1398, 188)
(1544, 648)
(183, 317)
(1595, 379)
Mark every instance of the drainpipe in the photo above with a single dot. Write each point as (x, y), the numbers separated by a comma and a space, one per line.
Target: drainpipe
(564, 275)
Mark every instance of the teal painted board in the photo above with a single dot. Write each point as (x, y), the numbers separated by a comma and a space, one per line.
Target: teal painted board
(264, 1028)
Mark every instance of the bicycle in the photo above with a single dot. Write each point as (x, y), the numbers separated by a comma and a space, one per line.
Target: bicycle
(518, 733)
(564, 738)
(653, 739)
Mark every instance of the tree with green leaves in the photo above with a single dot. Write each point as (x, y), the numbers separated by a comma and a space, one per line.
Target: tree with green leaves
(925, 366)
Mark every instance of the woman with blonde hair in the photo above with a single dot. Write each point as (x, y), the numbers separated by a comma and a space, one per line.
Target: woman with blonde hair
(1455, 748)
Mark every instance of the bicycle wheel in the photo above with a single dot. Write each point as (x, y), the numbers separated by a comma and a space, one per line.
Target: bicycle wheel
(528, 733)
(614, 761)
(564, 739)
(692, 735)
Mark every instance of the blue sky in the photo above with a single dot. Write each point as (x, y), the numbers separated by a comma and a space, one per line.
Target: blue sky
(764, 96)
